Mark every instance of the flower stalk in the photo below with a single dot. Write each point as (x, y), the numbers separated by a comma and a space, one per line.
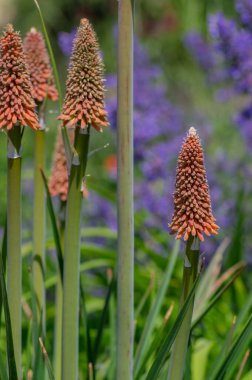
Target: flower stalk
(83, 108)
(42, 88)
(125, 264)
(191, 265)
(70, 324)
(58, 186)
(17, 109)
(191, 219)
(14, 267)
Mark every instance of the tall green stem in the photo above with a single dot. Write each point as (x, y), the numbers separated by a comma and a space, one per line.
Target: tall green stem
(39, 219)
(125, 265)
(14, 260)
(59, 304)
(71, 283)
(179, 351)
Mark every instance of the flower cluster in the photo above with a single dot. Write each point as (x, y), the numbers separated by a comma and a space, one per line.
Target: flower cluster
(192, 205)
(84, 100)
(39, 67)
(58, 184)
(16, 102)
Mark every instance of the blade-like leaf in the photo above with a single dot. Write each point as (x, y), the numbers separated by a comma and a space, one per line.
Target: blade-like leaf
(209, 277)
(85, 321)
(3, 372)
(4, 255)
(38, 369)
(54, 226)
(226, 368)
(217, 297)
(47, 360)
(9, 337)
(111, 289)
(155, 309)
(166, 344)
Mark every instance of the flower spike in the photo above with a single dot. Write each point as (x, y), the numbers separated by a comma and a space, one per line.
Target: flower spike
(84, 100)
(192, 205)
(39, 67)
(58, 183)
(16, 102)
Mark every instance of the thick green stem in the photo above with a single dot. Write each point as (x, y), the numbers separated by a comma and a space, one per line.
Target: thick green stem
(179, 351)
(39, 218)
(71, 283)
(59, 304)
(125, 266)
(14, 260)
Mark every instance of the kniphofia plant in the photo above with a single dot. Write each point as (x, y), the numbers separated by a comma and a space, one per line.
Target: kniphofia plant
(192, 219)
(83, 108)
(42, 89)
(17, 109)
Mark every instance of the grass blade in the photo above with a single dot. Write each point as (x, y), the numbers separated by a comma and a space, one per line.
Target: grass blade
(155, 309)
(84, 316)
(54, 226)
(166, 344)
(229, 364)
(9, 338)
(47, 360)
(209, 277)
(111, 289)
(4, 256)
(216, 298)
(3, 372)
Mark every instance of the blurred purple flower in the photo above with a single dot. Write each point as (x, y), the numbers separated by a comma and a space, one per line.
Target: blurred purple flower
(244, 8)
(65, 41)
(201, 50)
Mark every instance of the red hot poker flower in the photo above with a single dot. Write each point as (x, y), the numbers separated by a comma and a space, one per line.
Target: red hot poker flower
(58, 184)
(192, 205)
(16, 102)
(84, 100)
(39, 67)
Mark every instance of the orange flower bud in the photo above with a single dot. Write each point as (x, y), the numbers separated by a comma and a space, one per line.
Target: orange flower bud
(58, 183)
(39, 67)
(16, 102)
(192, 205)
(84, 100)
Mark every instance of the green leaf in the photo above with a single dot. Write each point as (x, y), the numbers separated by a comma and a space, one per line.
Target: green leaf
(9, 338)
(200, 355)
(47, 360)
(38, 369)
(209, 277)
(244, 312)
(3, 372)
(4, 255)
(217, 297)
(226, 368)
(155, 309)
(54, 226)
(163, 347)
(85, 321)
(101, 326)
